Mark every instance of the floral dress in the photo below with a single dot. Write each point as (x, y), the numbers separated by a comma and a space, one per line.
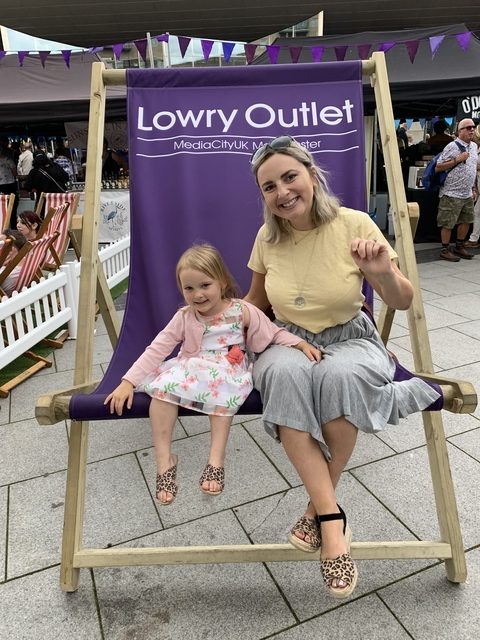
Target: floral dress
(218, 379)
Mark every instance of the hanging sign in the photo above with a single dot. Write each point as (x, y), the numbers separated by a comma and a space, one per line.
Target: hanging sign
(468, 107)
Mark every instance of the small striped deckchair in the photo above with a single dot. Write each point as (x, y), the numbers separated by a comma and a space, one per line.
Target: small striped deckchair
(56, 220)
(53, 201)
(6, 207)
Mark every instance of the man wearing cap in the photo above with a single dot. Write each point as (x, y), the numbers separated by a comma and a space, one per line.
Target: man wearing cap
(458, 193)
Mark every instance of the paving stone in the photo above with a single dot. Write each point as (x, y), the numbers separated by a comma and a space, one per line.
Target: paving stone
(469, 303)
(3, 530)
(435, 317)
(449, 348)
(273, 450)
(429, 606)
(4, 410)
(433, 270)
(403, 484)
(108, 438)
(34, 608)
(234, 601)
(301, 582)
(471, 328)
(248, 476)
(351, 622)
(450, 285)
(118, 505)
(102, 352)
(194, 425)
(35, 524)
(410, 433)
(468, 442)
(29, 450)
(24, 397)
(111, 515)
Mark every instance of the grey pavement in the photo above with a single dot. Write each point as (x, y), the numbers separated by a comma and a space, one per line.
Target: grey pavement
(386, 492)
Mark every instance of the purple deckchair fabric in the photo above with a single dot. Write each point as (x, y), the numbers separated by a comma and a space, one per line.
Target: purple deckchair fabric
(191, 135)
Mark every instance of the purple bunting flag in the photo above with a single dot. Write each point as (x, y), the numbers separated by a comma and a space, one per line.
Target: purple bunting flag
(341, 52)
(386, 46)
(228, 48)
(206, 48)
(273, 50)
(43, 55)
(66, 53)
(364, 51)
(435, 42)
(142, 47)
(317, 53)
(412, 48)
(295, 53)
(21, 56)
(250, 52)
(183, 43)
(95, 49)
(2, 54)
(463, 39)
(162, 38)
(117, 50)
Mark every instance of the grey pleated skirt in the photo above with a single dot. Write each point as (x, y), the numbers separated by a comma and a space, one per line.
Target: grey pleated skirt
(354, 379)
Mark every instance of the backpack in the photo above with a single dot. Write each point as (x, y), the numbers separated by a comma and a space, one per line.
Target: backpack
(432, 180)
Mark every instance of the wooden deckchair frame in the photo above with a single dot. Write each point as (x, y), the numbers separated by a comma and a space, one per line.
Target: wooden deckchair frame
(9, 200)
(54, 407)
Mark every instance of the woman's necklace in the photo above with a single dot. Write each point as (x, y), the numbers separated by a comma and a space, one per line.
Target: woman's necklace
(300, 300)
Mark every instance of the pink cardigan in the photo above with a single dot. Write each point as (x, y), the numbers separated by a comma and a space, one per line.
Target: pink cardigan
(185, 328)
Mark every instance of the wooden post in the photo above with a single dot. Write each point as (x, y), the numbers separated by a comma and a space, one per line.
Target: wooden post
(436, 444)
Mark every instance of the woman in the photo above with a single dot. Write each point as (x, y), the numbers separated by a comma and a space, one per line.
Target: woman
(45, 176)
(28, 224)
(308, 262)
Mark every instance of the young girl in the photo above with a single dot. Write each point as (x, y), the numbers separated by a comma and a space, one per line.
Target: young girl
(212, 372)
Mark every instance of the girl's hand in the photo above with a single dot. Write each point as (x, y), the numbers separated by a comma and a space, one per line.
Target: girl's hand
(309, 350)
(124, 392)
(371, 256)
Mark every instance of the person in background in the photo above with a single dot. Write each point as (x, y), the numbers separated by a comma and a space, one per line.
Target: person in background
(440, 139)
(62, 158)
(18, 240)
(25, 162)
(473, 241)
(46, 176)
(8, 175)
(112, 162)
(458, 192)
(28, 224)
(402, 134)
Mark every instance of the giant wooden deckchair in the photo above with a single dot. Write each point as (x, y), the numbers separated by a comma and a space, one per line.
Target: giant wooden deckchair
(75, 402)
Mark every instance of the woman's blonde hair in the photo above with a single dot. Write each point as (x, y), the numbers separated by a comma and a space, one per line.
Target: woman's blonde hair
(325, 205)
(205, 258)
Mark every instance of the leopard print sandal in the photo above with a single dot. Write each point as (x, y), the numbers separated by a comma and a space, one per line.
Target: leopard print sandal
(167, 482)
(309, 527)
(213, 473)
(342, 567)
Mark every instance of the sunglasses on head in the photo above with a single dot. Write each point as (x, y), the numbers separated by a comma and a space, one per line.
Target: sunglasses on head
(470, 127)
(282, 142)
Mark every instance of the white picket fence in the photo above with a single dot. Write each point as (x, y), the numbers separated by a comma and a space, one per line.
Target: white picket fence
(42, 308)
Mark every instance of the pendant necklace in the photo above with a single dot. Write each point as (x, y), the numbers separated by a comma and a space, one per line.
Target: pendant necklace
(299, 300)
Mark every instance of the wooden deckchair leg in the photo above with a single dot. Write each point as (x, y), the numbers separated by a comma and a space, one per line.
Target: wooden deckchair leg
(74, 505)
(444, 495)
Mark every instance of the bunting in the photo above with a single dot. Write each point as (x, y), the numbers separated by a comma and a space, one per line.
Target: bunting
(250, 49)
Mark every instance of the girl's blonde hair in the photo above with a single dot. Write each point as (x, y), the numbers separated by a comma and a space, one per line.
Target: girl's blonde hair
(205, 258)
(325, 205)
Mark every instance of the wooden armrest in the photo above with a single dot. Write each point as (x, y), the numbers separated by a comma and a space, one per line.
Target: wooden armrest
(53, 408)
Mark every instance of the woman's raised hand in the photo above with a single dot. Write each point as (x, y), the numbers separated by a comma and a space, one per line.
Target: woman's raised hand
(371, 256)
(123, 393)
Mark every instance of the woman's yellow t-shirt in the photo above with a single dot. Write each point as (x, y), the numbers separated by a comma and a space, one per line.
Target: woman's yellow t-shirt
(319, 268)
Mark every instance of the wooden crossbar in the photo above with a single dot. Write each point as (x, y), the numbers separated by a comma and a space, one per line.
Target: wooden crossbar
(74, 557)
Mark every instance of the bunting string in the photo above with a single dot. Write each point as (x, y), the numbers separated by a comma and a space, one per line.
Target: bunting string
(250, 50)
